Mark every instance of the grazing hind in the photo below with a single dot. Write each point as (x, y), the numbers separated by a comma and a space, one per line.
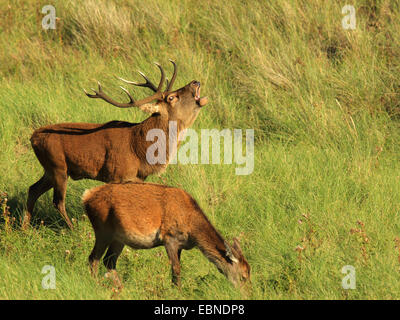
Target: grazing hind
(146, 215)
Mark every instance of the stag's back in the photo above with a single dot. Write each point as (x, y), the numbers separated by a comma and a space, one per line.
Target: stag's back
(86, 150)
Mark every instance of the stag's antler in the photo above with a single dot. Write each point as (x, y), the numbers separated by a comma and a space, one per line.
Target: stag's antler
(149, 84)
(158, 95)
(171, 83)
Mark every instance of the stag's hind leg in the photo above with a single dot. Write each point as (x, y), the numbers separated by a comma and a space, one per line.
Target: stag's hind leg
(35, 191)
(60, 190)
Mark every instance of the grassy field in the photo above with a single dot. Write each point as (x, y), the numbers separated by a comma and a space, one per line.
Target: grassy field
(324, 103)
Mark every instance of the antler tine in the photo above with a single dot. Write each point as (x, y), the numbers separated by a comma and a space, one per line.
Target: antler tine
(171, 83)
(96, 93)
(88, 94)
(128, 94)
(147, 84)
(159, 88)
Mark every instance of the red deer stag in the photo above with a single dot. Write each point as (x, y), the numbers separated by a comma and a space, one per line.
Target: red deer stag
(114, 151)
(146, 215)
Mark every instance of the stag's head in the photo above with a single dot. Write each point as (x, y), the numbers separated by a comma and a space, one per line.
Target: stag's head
(182, 105)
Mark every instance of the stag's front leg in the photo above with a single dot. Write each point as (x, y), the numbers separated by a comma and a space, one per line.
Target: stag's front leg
(60, 190)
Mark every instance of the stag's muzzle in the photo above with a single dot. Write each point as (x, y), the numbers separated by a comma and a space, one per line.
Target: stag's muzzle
(201, 101)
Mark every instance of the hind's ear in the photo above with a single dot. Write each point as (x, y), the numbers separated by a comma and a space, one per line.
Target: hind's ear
(229, 253)
(236, 245)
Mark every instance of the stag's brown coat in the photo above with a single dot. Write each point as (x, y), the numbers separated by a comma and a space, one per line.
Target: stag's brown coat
(114, 151)
(145, 215)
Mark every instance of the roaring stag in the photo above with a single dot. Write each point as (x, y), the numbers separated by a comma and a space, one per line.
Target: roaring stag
(114, 151)
(146, 215)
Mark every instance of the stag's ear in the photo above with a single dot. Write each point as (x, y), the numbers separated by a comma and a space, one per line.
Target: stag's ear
(150, 108)
(229, 253)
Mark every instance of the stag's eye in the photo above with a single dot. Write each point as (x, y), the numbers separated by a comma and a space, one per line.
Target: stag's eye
(171, 98)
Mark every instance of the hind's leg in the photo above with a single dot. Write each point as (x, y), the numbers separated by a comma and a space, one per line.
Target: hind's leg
(100, 246)
(35, 191)
(60, 190)
(110, 261)
(174, 255)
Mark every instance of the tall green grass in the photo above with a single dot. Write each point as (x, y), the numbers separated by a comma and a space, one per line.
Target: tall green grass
(324, 103)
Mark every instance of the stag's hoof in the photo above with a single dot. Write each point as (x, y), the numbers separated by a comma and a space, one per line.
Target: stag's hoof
(26, 221)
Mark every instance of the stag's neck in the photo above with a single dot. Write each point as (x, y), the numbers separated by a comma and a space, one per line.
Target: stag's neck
(157, 120)
(164, 122)
(172, 128)
(140, 142)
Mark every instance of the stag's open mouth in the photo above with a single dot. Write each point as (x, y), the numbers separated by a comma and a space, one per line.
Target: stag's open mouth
(197, 95)
(200, 101)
